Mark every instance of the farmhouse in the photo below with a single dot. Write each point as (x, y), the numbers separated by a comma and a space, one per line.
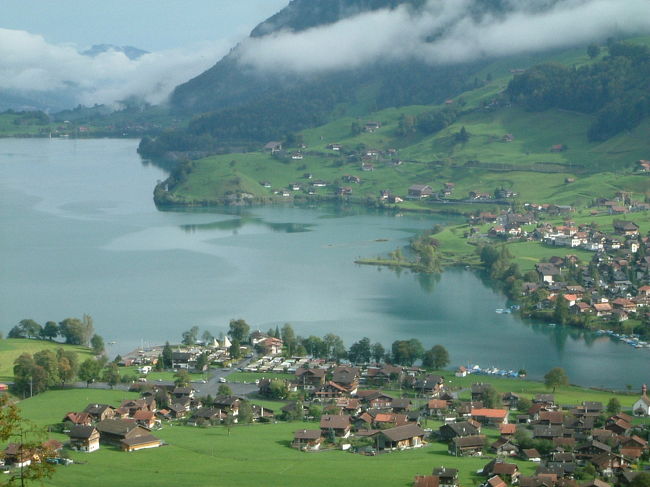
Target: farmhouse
(307, 440)
(467, 445)
(401, 437)
(418, 191)
(84, 438)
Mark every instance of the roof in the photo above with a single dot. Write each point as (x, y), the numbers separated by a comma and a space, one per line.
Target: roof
(469, 441)
(490, 413)
(307, 434)
(507, 429)
(403, 432)
(426, 481)
(140, 440)
(116, 426)
(341, 421)
(82, 432)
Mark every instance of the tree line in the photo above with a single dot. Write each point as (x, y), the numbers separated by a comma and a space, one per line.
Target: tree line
(616, 89)
(74, 331)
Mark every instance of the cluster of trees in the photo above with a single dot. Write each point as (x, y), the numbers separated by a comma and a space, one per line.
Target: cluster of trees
(427, 123)
(614, 88)
(75, 331)
(44, 370)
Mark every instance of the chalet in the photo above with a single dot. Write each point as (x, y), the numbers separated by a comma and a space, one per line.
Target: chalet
(84, 438)
(508, 471)
(330, 390)
(14, 454)
(309, 379)
(627, 228)
(426, 481)
(371, 126)
(296, 156)
(467, 445)
(431, 384)
(100, 412)
(126, 434)
(335, 147)
(344, 191)
(265, 184)
(229, 404)
(531, 454)
(490, 416)
(418, 191)
(307, 440)
(336, 425)
(507, 430)
(180, 392)
(495, 481)
(547, 272)
(346, 377)
(83, 419)
(448, 477)
(504, 447)
(145, 418)
(602, 309)
(610, 463)
(462, 428)
(437, 407)
(273, 147)
(401, 437)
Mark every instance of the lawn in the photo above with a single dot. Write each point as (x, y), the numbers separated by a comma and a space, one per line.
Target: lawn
(253, 376)
(257, 455)
(11, 348)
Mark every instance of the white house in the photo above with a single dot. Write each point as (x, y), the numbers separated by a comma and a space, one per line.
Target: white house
(642, 406)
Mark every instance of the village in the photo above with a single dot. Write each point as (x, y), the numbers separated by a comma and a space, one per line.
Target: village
(569, 443)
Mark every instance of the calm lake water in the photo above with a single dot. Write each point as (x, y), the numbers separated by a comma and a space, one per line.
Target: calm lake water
(81, 235)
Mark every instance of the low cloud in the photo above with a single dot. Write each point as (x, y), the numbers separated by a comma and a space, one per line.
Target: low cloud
(28, 64)
(445, 32)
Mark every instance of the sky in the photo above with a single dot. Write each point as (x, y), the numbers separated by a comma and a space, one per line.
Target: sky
(152, 25)
(41, 40)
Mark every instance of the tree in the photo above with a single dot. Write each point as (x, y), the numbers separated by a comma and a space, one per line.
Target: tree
(112, 375)
(30, 439)
(182, 378)
(239, 330)
(228, 421)
(437, 358)
(224, 390)
(50, 363)
(641, 480)
(97, 344)
(593, 51)
(378, 352)
(278, 389)
(166, 356)
(334, 346)
(561, 313)
(31, 328)
(76, 331)
(556, 377)
(406, 352)
(245, 414)
(50, 330)
(190, 336)
(207, 337)
(360, 352)
(614, 406)
(462, 136)
(490, 397)
(235, 349)
(89, 371)
(289, 339)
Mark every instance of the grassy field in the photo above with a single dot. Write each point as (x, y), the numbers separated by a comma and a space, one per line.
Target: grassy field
(11, 348)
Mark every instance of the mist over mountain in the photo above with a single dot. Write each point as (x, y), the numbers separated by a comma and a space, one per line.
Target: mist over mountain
(302, 65)
(129, 51)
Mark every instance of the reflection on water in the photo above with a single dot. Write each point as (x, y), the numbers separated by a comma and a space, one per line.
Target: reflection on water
(238, 223)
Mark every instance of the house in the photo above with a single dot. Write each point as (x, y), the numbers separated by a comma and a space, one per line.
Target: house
(531, 454)
(426, 481)
(448, 477)
(309, 379)
(558, 148)
(418, 191)
(113, 431)
(307, 439)
(371, 126)
(401, 437)
(367, 166)
(84, 419)
(84, 438)
(547, 271)
(140, 442)
(508, 471)
(642, 406)
(273, 147)
(627, 228)
(490, 416)
(437, 407)
(336, 425)
(16, 455)
(454, 430)
(346, 377)
(335, 147)
(296, 156)
(100, 412)
(271, 345)
(467, 445)
(431, 384)
(145, 418)
(495, 481)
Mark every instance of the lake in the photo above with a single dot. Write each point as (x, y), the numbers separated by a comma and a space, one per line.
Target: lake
(82, 235)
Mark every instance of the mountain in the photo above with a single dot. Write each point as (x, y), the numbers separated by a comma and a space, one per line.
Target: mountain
(129, 51)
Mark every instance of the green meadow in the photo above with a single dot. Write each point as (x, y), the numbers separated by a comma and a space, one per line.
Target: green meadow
(11, 348)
